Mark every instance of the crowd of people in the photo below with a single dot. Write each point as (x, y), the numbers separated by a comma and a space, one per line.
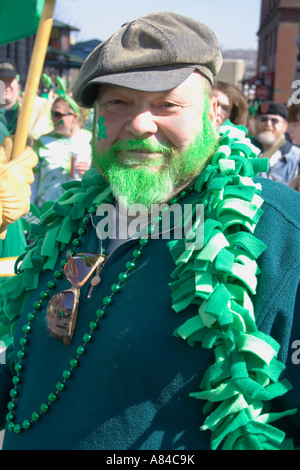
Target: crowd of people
(165, 131)
(275, 130)
(59, 136)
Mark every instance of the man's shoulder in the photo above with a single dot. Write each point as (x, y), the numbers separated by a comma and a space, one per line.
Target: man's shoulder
(281, 199)
(291, 151)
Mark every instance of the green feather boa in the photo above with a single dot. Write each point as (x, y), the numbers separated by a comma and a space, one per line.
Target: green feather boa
(217, 278)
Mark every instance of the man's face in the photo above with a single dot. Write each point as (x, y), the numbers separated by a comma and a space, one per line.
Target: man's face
(11, 91)
(270, 128)
(149, 145)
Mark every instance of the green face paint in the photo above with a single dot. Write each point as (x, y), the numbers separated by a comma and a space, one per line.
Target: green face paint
(101, 128)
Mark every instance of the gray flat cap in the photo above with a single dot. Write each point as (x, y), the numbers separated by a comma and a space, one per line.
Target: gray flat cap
(156, 52)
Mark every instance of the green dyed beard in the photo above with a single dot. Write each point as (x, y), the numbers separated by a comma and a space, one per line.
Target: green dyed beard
(141, 183)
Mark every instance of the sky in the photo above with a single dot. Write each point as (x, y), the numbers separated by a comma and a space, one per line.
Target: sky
(235, 22)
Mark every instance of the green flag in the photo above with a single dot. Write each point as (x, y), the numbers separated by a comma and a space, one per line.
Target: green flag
(19, 19)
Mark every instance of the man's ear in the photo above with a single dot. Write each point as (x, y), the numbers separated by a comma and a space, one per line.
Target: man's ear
(213, 109)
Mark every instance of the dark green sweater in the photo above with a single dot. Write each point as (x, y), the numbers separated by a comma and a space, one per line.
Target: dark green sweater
(131, 388)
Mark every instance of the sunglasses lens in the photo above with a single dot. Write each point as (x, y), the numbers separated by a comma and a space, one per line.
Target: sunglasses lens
(61, 315)
(79, 268)
(274, 121)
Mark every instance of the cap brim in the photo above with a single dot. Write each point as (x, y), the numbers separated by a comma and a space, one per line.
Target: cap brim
(163, 79)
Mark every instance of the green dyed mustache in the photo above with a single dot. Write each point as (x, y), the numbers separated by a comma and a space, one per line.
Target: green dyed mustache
(141, 145)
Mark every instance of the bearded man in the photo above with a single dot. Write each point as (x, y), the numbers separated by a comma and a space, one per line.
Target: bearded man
(271, 125)
(121, 338)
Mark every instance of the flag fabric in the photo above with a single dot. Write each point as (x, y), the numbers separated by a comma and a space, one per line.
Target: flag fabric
(19, 19)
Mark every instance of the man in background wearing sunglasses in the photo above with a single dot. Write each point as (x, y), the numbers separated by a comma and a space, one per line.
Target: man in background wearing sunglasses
(271, 126)
(119, 339)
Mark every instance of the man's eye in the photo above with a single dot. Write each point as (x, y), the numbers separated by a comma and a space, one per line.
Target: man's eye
(169, 105)
(224, 107)
(112, 104)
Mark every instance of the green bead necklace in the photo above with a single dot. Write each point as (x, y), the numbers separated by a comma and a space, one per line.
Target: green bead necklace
(74, 362)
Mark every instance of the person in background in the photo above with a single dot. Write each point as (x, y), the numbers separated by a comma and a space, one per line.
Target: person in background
(294, 124)
(271, 125)
(3, 126)
(14, 241)
(64, 154)
(231, 104)
(40, 122)
(294, 135)
(253, 103)
(16, 176)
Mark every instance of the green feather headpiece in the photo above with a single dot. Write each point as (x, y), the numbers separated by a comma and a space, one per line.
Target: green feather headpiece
(61, 90)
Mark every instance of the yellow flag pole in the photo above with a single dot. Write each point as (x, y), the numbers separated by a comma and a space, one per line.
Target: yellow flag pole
(34, 76)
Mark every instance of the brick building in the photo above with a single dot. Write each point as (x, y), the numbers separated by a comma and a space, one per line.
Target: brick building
(277, 55)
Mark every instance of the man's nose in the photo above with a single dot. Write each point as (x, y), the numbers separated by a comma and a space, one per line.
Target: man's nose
(219, 111)
(141, 122)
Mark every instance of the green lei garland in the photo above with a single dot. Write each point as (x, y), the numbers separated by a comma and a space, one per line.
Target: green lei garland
(217, 278)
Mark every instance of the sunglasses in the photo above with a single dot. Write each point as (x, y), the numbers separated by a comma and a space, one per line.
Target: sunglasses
(266, 119)
(59, 115)
(63, 307)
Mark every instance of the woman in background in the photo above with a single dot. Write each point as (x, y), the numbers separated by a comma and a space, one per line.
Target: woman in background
(64, 154)
(231, 104)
